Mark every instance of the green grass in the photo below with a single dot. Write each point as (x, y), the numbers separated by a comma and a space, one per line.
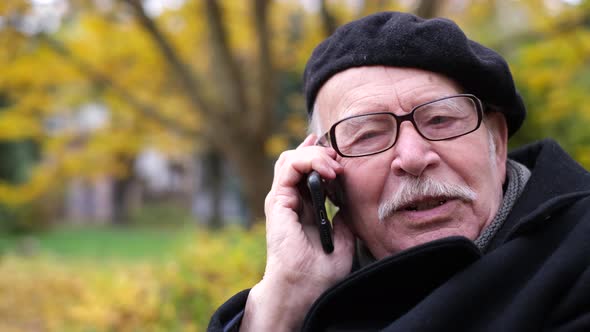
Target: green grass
(97, 243)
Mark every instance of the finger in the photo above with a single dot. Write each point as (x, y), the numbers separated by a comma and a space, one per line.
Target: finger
(297, 163)
(308, 141)
(296, 170)
(304, 155)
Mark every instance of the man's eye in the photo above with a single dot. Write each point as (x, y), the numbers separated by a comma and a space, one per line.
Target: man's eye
(436, 120)
(367, 135)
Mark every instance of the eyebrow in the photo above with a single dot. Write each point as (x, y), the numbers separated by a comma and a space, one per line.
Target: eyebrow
(365, 108)
(419, 98)
(413, 99)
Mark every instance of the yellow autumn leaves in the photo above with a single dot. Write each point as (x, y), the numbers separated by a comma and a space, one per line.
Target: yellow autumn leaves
(47, 294)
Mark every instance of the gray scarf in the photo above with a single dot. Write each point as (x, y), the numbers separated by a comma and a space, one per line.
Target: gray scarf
(517, 176)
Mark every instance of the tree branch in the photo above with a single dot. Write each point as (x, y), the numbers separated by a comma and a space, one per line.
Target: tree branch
(180, 70)
(328, 20)
(102, 80)
(230, 78)
(560, 28)
(428, 8)
(263, 117)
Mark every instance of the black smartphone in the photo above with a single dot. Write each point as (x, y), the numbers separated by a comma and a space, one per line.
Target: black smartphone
(317, 190)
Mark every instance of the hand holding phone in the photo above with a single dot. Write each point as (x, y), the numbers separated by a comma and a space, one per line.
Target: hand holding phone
(294, 265)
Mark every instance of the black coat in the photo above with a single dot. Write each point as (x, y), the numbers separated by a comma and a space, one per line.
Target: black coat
(535, 276)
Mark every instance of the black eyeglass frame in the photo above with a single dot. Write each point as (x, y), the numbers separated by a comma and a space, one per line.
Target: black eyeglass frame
(330, 136)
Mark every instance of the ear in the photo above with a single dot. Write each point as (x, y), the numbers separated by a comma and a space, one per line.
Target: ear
(496, 124)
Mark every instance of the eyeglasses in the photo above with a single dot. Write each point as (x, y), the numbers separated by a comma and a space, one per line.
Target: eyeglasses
(437, 120)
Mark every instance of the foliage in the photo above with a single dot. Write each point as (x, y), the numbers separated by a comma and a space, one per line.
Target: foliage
(553, 76)
(200, 75)
(547, 44)
(177, 295)
(225, 75)
(34, 216)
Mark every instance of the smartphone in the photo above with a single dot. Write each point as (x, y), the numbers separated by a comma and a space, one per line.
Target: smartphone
(317, 190)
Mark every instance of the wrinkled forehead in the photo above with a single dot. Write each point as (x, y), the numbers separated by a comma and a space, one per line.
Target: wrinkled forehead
(368, 89)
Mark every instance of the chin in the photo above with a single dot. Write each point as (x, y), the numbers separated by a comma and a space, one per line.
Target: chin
(398, 245)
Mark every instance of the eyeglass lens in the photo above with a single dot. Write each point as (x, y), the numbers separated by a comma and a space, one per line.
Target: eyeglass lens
(376, 132)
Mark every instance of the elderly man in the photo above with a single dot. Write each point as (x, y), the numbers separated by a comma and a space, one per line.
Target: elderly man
(438, 229)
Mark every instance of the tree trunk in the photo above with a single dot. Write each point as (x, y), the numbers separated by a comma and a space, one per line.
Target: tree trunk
(213, 180)
(428, 8)
(245, 149)
(328, 21)
(121, 213)
(255, 172)
(125, 195)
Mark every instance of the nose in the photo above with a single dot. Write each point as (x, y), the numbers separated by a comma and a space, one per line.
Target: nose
(413, 154)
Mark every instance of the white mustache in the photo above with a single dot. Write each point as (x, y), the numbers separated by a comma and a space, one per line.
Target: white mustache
(412, 189)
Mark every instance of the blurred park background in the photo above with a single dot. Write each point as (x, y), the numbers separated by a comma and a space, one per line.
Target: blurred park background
(137, 139)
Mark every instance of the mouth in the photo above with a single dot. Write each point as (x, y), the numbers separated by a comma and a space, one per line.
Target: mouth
(423, 204)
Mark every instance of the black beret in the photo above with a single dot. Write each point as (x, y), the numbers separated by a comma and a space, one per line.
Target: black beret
(403, 40)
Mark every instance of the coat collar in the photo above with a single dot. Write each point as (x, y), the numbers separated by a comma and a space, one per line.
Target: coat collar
(556, 181)
(410, 275)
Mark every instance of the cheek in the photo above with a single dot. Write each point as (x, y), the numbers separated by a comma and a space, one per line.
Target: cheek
(363, 182)
(482, 174)
(470, 161)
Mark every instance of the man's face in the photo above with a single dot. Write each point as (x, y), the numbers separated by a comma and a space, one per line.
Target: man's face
(471, 161)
